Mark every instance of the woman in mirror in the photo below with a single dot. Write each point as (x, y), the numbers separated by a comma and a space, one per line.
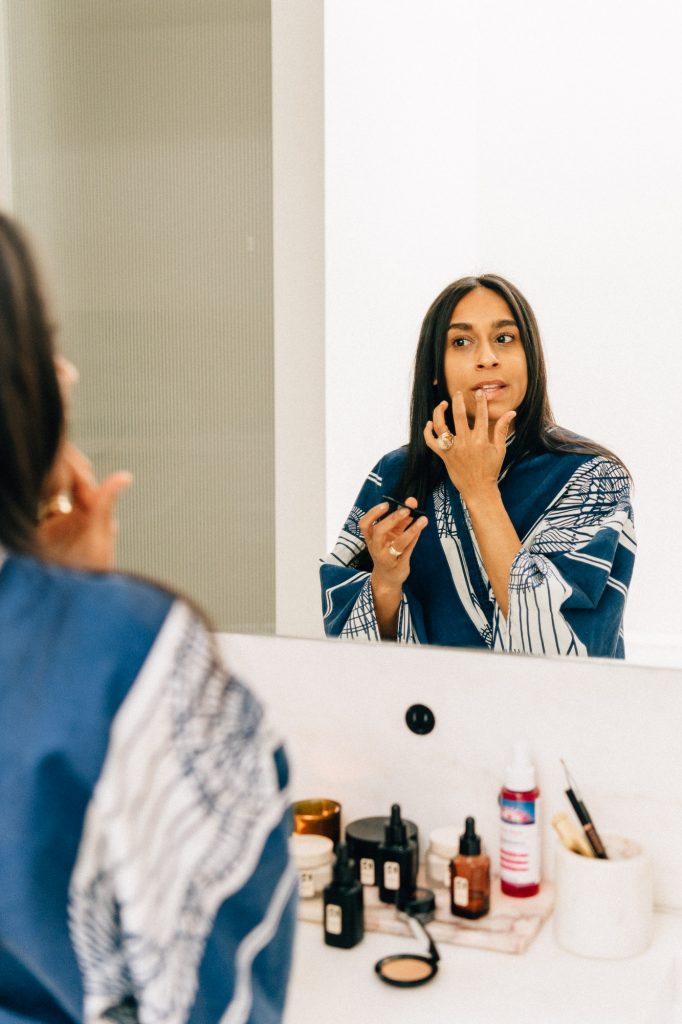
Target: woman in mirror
(144, 871)
(522, 539)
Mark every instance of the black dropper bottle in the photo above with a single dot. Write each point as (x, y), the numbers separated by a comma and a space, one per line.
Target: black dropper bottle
(343, 921)
(397, 860)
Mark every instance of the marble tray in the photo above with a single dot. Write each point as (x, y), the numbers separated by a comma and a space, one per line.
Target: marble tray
(509, 927)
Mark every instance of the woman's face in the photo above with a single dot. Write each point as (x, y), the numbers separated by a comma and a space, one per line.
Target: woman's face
(483, 349)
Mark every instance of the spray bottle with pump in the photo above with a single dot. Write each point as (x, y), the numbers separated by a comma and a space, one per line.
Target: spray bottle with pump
(520, 826)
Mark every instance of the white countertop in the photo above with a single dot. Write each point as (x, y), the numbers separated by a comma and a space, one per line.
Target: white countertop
(545, 985)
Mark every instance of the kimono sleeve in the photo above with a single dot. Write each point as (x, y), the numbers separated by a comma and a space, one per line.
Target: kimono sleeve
(182, 899)
(569, 582)
(347, 601)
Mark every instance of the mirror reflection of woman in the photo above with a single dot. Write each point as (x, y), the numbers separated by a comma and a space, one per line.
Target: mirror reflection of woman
(527, 544)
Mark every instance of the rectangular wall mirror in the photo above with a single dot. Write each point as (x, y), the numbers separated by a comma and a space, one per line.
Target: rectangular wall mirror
(245, 208)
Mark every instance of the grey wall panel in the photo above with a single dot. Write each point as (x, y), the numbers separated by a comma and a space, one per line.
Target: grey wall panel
(141, 156)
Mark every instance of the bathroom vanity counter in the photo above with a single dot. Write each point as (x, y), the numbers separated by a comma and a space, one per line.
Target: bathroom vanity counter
(542, 986)
(343, 710)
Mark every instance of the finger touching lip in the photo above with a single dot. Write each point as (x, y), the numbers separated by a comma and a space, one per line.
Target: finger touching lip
(492, 391)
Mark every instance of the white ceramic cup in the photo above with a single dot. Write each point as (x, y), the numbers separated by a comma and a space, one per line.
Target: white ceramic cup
(604, 908)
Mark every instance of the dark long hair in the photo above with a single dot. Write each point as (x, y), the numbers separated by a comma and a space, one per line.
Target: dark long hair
(31, 412)
(535, 428)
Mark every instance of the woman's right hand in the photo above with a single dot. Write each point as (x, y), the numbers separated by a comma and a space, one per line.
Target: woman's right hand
(395, 533)
(383, 537)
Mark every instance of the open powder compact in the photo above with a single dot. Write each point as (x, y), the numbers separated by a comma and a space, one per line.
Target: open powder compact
(407, 970)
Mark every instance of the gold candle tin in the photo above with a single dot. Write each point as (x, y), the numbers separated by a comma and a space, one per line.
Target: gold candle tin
(321, 817)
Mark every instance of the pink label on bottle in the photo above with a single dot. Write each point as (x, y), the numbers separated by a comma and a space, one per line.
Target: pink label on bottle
(519, 842)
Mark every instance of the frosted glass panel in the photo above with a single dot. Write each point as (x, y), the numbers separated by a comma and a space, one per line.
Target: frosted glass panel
(141, 163)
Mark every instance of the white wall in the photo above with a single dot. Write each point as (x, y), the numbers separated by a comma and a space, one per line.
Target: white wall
(141, 157)
(298, 267)
(540, 142)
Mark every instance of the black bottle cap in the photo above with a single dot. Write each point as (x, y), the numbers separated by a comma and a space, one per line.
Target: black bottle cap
(421, 903)
(344, 867)
(469, 842)
(396, 833)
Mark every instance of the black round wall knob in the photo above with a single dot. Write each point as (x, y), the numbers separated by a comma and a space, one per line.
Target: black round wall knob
(420, 719)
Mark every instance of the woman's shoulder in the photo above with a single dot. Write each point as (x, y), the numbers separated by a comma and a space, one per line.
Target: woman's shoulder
(80, 641)
(105, 600)
(587, 457)
(391, 465)
(383, 476)
(566, 448)
(577, 467)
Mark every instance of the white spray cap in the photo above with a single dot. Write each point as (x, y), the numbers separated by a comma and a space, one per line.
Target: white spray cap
(519, 775)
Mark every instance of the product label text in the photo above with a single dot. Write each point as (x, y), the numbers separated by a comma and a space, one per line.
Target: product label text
(392, 875)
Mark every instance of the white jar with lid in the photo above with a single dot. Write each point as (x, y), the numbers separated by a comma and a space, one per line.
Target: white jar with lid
(443, 845)
(313, 856)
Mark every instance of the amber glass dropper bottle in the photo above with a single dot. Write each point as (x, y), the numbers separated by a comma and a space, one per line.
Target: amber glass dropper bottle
(470, 876)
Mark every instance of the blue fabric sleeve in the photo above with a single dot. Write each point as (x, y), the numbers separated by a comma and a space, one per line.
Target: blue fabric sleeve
(569, 582)
(182, 897)
(71, 647)
(347, 602)
(248, 951)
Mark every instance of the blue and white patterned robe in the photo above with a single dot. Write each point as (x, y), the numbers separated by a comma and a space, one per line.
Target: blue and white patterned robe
(568, 583)
(144, 873)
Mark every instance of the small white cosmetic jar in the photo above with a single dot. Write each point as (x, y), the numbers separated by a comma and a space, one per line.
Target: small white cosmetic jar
(443, 845)
(313, 856)
(604, 908)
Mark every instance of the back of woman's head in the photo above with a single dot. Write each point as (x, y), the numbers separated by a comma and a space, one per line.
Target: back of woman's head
(31, 412)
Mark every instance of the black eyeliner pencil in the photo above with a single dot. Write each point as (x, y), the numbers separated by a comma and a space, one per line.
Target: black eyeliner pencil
(416, 512)
(590, 831)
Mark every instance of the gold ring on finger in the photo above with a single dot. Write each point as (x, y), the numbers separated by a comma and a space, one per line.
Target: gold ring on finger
(394, 551)
(446, 441)
(59, 504)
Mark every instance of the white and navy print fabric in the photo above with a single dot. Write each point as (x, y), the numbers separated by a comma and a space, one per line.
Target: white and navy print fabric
(568, 584)
(144, 857)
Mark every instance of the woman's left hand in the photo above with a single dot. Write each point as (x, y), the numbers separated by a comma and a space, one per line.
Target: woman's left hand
(79, 526)
(474, 461)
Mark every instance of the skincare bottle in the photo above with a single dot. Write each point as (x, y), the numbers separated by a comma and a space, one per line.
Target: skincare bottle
(343, 904)
(363, 838)
(520, 826)
(397, 860)
(470, 876)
